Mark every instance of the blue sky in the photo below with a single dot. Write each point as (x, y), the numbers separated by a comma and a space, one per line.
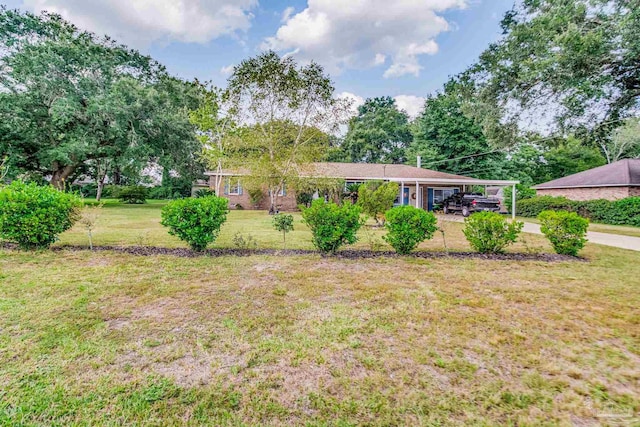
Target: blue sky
(402, 48)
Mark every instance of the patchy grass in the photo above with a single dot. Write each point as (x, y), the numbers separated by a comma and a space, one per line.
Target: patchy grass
(103, 338)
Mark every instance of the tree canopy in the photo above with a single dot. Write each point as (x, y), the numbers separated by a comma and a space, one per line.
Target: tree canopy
(73, 102)
(379, 133)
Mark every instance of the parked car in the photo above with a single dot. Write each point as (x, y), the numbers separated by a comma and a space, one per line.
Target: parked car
(467, 203)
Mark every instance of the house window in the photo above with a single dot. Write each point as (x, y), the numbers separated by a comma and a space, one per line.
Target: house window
(440, 194)
(232, 187)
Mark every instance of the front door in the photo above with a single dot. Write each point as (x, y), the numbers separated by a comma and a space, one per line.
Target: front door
(405, 196)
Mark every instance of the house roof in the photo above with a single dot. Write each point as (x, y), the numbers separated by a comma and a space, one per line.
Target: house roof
(379, 171)
(623, 173)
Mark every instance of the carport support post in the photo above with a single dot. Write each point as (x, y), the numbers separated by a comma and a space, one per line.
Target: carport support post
(401, 193)
(417, 194)
(513, 202)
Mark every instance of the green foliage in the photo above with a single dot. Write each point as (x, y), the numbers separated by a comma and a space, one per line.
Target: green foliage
(304, 199)
(78, 103)
(204, 192)
(133, 195)
(284, 224)
(256, 195)
(565, 230)
(33, 216)
(618, 212)
(490, 232)
(380, 133)
(241, 242)
(376, 198)
(575, 59)
(408, 226)
(523, 192)
(332, 225)
(196, 221)
(287, 105)
(443, 132)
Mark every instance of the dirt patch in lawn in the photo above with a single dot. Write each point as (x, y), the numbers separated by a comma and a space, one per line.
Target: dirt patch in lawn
(344, 254)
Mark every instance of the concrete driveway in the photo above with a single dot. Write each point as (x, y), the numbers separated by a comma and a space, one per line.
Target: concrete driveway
(615, 240)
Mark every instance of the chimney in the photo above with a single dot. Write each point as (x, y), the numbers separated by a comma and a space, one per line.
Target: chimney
(419, 162)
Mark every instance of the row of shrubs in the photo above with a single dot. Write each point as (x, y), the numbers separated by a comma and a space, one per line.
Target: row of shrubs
(133, 194)
(34, 216)
(619, 212)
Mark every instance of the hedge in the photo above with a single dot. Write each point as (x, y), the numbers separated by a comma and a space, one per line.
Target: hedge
(618, 212)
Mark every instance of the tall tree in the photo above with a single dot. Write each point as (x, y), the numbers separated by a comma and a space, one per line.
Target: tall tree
(380, 133)
(449, 141)
(74, 100)
(285, 112)
(576, 61)
(624, 143)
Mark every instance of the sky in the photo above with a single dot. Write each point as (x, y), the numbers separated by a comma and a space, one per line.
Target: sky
(406, 49)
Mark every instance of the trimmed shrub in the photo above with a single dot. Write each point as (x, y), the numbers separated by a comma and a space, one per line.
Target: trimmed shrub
(332, 225)
(196, 221)
(407, 226)
(533, 206)
(490, 232)
(34, 216)
(523, 192)
(565, 230)
(133, 195)
(204, 192)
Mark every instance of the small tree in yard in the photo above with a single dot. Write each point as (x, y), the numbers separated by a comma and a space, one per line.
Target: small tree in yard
(283, 223)
(33, 216)
(332, 225)
(565, 230)
(375, 199)
(196, 221)
(490, 232)
(89, 220)
(407, 226)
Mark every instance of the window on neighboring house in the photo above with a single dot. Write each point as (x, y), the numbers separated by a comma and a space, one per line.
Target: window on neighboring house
(232, 187)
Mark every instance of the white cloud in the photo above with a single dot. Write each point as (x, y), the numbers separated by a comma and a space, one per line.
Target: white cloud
(361, 33)
(286, 14)
(226, 71)
(356, 101)
(413, 105)
(142, 22)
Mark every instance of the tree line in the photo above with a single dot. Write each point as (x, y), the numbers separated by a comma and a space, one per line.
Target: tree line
(556, 94)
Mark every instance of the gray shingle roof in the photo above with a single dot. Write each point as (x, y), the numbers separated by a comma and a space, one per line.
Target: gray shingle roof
(623, 173)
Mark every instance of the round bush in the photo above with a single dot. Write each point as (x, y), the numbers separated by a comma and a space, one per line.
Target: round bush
(196, 221)
(407, 226)
(332, 225)
(34, 216)
(490, 232)
(565, 230)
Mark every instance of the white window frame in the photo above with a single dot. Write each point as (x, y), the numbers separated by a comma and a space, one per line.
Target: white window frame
(228, 187)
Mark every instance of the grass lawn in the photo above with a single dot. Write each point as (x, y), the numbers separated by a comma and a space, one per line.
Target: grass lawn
(111, 339)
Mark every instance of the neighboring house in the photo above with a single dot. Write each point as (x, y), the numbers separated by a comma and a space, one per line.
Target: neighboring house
(613, 181)
(419, 187)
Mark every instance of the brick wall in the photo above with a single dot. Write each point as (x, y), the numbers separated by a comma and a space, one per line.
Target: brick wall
(286, 203)
(634, 191)
(590, 193)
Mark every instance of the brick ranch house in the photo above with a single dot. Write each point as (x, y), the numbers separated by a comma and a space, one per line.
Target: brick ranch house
(420, 187)
(614, 181)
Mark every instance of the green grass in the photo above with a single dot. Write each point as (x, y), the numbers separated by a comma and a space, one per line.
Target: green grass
(109, 339)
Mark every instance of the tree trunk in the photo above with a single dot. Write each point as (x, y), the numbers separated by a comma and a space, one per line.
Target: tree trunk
(60, 175)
